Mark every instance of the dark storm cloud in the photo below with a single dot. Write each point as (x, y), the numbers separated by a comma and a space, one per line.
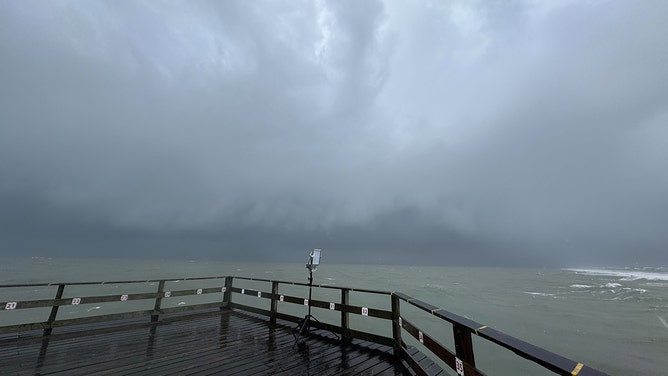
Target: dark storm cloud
(461, 132)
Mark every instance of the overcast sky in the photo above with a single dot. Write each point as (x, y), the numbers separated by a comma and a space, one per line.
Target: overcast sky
(449, 132)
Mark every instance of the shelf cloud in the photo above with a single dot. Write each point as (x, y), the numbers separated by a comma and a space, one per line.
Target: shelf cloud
(462, 133)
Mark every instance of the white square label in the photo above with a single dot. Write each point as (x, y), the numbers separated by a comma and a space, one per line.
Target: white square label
(460, 366)
(199, 291)
(365, 311)
(420, 337)
(281, 298)
(305, 301)
(168, 294)
(10, 305)
(124, 298)
(224, 289)
(243, 291)
(76, 301)
(259, 294)
(332, 306)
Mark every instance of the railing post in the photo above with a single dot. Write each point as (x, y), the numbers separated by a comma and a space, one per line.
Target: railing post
(54, 310)
(274, 301)
(345, 326)
(396, 327)
(158, 301)
(463, 344)
(227, 295)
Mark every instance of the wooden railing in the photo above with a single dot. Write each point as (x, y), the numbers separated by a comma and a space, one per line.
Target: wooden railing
(461, 358)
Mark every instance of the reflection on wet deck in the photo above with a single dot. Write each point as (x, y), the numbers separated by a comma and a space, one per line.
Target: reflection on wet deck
(226, 342)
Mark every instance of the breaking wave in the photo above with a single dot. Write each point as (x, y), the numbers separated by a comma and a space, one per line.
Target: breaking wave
(610, 290)
(626, 274)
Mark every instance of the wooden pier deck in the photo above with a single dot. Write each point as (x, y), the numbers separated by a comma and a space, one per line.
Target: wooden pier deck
(238, 326)
(216, 342)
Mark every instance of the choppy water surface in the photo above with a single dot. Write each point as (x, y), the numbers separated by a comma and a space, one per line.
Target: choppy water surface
(612, 319)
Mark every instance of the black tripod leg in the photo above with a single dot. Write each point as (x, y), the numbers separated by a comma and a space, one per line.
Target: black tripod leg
(299, 331)
(305, 323)
(318, 321)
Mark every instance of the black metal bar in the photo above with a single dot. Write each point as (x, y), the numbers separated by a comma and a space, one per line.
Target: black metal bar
(54, 311)
(463, 344)
(227, 295)
(274, 301)
(158, 301)
(310, 289)
(396, 326)
(345, 326)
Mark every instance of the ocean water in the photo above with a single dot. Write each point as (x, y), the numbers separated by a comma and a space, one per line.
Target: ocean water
(613, 319)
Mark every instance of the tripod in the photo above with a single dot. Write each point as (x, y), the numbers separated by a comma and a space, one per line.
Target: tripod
(304, 325)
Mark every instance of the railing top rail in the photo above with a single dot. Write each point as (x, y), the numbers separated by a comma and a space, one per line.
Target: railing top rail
(440, 312)
(316, 285)
(47, 284)
(548, 359)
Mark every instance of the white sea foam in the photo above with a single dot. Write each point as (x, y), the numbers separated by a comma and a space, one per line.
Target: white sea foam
(612, 285)
(538, 293)
(624, 275)
(656, 284)
(578, 286)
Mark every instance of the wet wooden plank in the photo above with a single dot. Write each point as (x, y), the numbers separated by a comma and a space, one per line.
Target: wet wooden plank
(216, 342)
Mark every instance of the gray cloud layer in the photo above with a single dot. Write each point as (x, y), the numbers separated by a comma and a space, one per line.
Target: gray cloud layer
(466, 132)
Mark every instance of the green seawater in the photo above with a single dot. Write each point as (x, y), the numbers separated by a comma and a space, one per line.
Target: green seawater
(614, 320)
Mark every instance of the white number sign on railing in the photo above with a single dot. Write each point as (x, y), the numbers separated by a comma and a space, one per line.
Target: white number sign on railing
(460, 366)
